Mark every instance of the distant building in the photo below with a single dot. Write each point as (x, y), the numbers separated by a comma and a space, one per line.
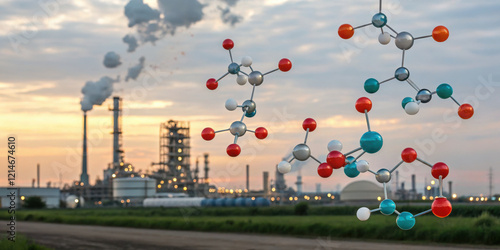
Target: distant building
(50, 196)
(361, 191)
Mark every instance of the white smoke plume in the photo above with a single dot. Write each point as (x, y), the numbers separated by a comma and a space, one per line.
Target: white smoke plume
(131, 41)
(111, 60)
(95, 93)
(135, 71)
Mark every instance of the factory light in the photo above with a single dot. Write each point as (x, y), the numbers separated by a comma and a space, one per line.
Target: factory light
(231, 191)
(179, 150)
(454, 196)
(482, 198)
(428, 187)
(493, 198)
(179, 167)
(132, 175)
(159, 185)
(81, 184)
(179, 141)
(329, 195)
(431, 198)
(316, 197)
(433, 182)
(185, 188)
(319, 197)
(169, 181)
(179, 158)
(278, 198)
(273, 189)
(272, 198)
(76, 200)
(175, 179)
(485, 198)
(23, 198)
(471, 199)
(333, 197)
(477, 199)
(121, 163)
(291, 199)
(424, 198)
(128, 200)
(113, 175)
(142, 176)
(176, 186)
(296, 198)
(379, 198)
(161, 182)
(122, 201)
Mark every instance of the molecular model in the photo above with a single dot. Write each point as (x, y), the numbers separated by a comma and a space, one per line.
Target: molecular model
(302, 152)
(441, 207)
(249, 107)
(404, 41)
(370, 142)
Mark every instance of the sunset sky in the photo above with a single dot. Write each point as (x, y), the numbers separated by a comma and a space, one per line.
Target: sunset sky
(50, 51)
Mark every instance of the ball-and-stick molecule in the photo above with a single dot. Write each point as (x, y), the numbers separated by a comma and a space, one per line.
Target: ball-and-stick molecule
(302, 152)
(370, 142)
(404, 41)
(441, 207)
(255, 78)
(249, 107)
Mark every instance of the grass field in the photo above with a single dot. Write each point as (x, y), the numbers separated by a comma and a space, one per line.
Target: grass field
(484, 229)
(22, 243)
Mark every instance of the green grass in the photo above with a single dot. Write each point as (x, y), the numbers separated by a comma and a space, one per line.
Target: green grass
(22, 243)
(484, 229)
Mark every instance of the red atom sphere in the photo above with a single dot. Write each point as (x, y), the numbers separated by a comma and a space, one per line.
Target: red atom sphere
(228, 44)
(325, 170)
(441, 207)
(409, 155)
(261, 133)
(233, 150)
(362, 104)
(466, 111)
(208, 134)
(440, 169)
(310, 124)
(346, 31)
(335, 159)
(285, 65)
(212, 84)
(440, 34)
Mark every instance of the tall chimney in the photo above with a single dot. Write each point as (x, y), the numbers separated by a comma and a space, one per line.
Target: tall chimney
(397, 180)
(84, 177)
(318, 188)
(299, 182)
(265, 177)
(413, 184)
(450, 190)
(38, 175)
(116, 131)
(206, 167)
(248, 177)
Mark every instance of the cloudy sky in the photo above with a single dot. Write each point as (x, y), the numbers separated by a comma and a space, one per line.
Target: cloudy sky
(50, 51)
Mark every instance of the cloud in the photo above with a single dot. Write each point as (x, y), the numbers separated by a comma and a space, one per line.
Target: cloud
(111, 60)
(131, 41)
(135, 71)
(138, 12)
(95, 93)
(181, 13)
(228, 17)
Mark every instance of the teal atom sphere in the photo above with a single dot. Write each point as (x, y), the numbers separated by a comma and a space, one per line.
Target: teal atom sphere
(387, 207)
(444, 91)
(405, 221)
(233, 68)
(251, 114)
(371, 85)
(406, 100)
(379, 20)
(371, 142)
(350, 170)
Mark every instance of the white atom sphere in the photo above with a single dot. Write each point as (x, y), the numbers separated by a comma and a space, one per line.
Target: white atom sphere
(241, 79)
(231, 104)
(334, 145)
(412, 108)
(363, 214)
(384, 38)
(246, 61)
(284, 167)
(362, 166)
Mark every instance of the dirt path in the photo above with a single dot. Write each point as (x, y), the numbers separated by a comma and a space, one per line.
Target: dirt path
(61, 236)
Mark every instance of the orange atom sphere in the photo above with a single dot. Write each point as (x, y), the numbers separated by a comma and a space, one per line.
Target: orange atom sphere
(466, 111)
(362, 104)
(346, 31)
(440, 34)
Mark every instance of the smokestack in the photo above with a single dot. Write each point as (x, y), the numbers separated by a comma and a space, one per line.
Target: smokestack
(33, 183)
(450, 190)
(318, 188)
(84, 177)
(397, 180)
(117, 151)
(206, 167)
(265, 177)
(248, 177)
(38, 175)
(413, 185)
(299, 182)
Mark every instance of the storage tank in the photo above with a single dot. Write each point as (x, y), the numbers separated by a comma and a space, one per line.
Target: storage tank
(173, 202)
(135, 189)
